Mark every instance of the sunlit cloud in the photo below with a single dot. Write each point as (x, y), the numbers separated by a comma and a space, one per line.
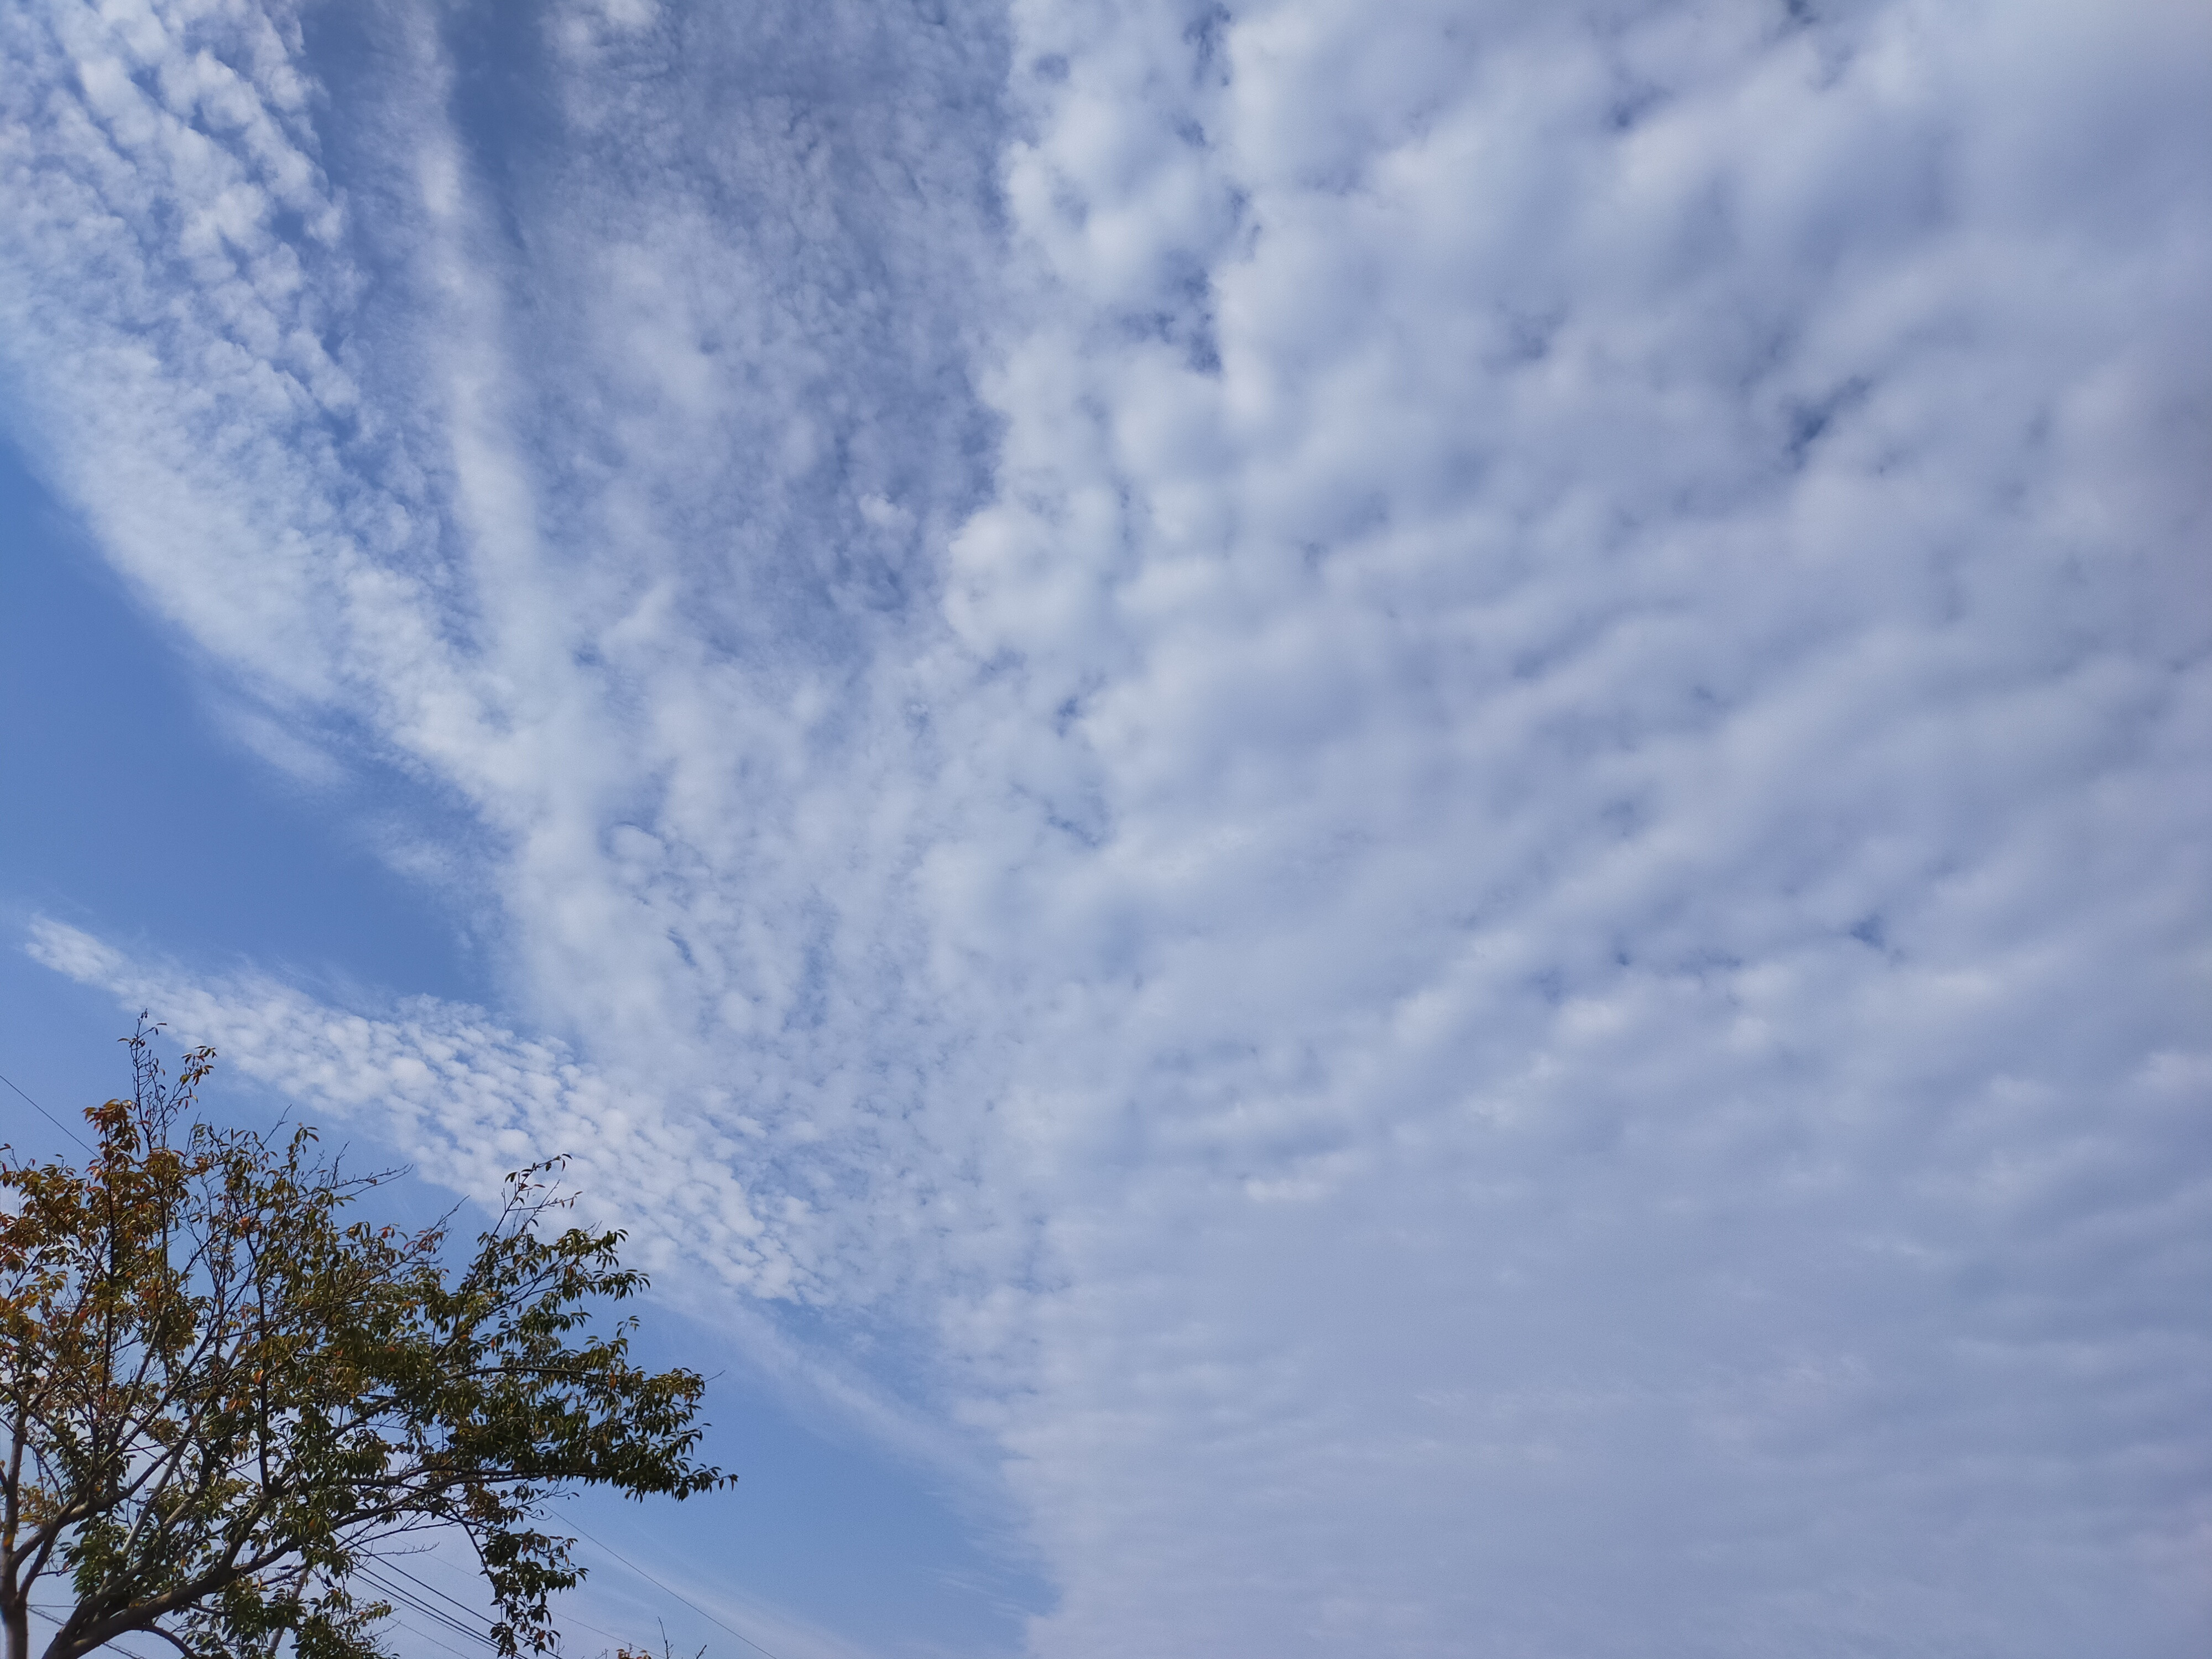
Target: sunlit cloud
(1423, 784)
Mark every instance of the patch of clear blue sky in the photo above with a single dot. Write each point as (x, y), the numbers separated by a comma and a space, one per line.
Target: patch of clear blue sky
(126, 810)
(129, 811)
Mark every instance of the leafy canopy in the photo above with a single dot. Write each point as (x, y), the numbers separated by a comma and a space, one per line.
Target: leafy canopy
(222, 1397)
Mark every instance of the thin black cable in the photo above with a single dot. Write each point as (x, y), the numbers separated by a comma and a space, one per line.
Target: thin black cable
(46, 1614)
(431, 1640)
(416, 1605)
(678, 1594)
(412, 1604)
(419, 1606)
(48, 1116)
(566, 1618)
(387, 1565)
(473, 1613)
(601, 1630)
(453, 1627)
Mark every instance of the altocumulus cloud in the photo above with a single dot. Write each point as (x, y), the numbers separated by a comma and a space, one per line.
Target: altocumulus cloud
(1432, 775)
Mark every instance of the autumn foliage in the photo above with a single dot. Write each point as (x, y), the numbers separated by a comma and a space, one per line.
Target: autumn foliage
(222, 1396)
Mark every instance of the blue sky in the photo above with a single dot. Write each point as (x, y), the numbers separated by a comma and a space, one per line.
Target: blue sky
(1349, 827)
(152, 821)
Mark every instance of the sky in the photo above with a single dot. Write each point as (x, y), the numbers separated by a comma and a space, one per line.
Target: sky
(1350, 826)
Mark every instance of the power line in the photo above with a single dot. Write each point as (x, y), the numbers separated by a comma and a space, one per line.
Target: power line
(47, 1614)
(678, 1594)
(416, 1605)
(422, 1583)
(48, 1116)
(619, 1640)
(431, 1640)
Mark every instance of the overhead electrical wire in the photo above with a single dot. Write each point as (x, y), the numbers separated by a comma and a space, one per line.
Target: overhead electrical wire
(415, 1603)
(424, 1584)
(46, 1115)
(666, 1589)
(424, 1635)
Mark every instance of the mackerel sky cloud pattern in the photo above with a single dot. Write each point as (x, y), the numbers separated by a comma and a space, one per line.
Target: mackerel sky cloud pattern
(1423, 785)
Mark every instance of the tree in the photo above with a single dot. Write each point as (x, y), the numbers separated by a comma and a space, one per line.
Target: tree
(222, 1397)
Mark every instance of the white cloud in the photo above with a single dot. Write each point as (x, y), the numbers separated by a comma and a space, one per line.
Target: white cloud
(466, 1099)
(1505, 944)
(1618, 750)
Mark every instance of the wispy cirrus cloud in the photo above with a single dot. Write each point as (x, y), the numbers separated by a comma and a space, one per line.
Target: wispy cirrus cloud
(1437, 765)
